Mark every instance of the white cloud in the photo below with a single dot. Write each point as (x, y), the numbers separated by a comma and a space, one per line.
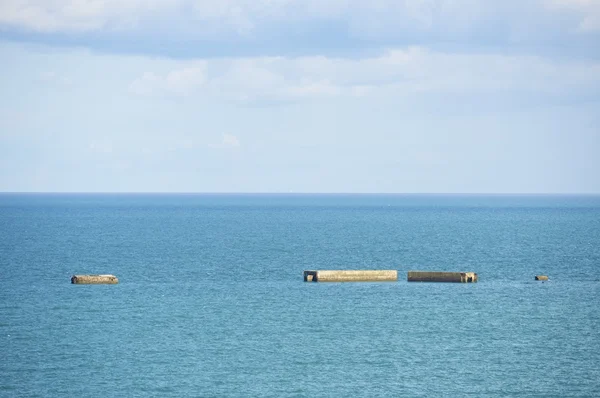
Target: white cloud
(54, 15)
(314, 88)
(241, 79)
(181, 81)
(145, 84)
(398, 71)
(185, 80)
(230, 140)
(51, 77)
(94, 15)
(202, 18)
(588, 11)
(227, 141)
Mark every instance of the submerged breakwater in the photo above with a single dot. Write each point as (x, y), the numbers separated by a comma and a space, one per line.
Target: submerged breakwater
(351, 276)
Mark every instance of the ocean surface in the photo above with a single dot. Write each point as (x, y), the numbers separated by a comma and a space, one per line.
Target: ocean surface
(211, 299)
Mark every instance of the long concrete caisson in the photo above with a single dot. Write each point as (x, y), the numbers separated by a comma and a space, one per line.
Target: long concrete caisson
(429, 276)
(351, 276)
(94, 279)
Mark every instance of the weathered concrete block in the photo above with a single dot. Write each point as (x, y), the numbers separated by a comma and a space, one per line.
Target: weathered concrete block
(94, 279)
(434, 276)
(351, 276)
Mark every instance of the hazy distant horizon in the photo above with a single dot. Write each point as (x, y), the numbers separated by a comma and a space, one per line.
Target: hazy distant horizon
(305, 193)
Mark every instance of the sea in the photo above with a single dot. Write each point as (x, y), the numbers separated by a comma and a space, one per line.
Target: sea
(211, 300)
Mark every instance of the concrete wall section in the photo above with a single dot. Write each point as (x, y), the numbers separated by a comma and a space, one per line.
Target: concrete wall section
(94, 279)
(351, 276)
(433, 276)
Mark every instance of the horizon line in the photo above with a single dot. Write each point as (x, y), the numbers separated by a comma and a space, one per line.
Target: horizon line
(298, 193)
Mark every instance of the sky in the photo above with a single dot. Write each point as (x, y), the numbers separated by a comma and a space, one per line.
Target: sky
(378, 96)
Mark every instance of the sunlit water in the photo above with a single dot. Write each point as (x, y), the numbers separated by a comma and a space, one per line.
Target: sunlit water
(211, 300)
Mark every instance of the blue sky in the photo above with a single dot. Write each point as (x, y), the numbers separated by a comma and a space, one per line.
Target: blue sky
(429, 96)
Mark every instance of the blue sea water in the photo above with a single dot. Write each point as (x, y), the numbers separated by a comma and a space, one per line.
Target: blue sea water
(211, 300)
